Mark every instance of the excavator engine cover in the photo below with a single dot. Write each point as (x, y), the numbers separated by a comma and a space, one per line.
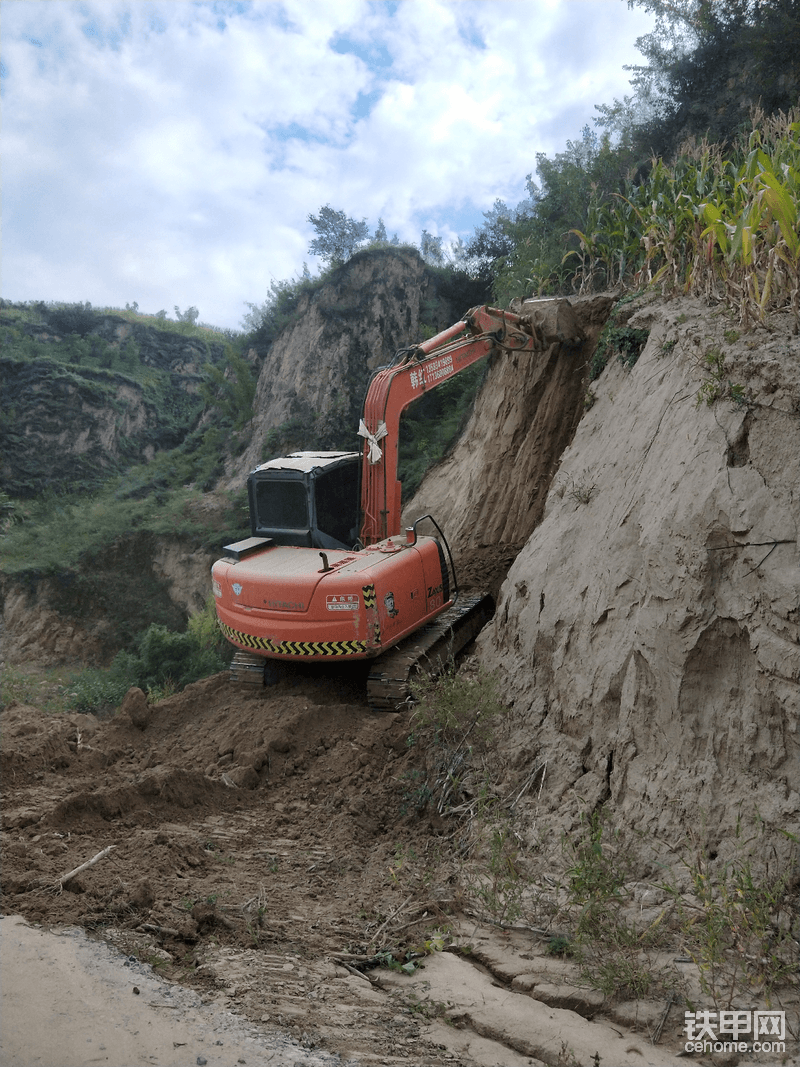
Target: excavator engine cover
(286, 602)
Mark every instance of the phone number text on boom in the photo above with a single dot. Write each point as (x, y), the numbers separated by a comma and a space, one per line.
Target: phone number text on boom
(432, 372)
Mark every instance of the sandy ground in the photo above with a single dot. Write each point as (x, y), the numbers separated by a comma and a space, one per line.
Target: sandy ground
(270, 850)
(70, 1001)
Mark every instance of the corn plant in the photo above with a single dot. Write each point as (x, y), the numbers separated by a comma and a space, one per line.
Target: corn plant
(724, 226)
(727, 228)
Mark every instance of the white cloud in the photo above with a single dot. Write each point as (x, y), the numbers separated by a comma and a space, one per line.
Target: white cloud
(170, 153)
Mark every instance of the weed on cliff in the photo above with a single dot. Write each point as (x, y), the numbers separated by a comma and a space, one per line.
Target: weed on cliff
(617, 339)
(739, 921)
(615, 954)
(716, 386)
(580, 489)
(456, 706)
(454, 717)
(498, 886)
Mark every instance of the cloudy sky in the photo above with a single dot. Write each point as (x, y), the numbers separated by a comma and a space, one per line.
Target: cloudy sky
(171, 152)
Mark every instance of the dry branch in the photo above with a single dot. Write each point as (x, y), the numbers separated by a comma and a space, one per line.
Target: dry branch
(78, 870)
(394, 915)
(657, 1035)
(166, 931)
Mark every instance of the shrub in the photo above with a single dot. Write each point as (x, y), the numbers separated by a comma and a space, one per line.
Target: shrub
(739, 924)
(614, 954)
(96, 689)
(167, 658)
(164, 662)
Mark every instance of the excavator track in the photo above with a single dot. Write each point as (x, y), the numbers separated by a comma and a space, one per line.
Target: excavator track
(247, 669)
(429, 650)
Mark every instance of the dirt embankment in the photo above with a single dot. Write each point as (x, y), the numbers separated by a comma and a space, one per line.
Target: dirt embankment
(648, 631)
(647, 634)
(491, 490)
(85, 616)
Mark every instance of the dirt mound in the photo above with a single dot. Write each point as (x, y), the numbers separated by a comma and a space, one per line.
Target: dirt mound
(268, 846)
(254, 822)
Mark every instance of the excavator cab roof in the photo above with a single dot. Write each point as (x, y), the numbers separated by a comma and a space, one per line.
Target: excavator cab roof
(309, 461)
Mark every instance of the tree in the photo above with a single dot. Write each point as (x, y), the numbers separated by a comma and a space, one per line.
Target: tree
(231, 388)
(707, 65)
(574, 183)
(338, 235)
(493, 241)
(431, 249)
(191, 315)
(265, 321)
(381, 237)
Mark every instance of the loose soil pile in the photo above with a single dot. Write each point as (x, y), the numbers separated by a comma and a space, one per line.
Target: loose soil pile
(268, 846)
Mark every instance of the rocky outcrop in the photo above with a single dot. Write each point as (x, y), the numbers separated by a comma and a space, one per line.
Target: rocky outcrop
(647, 632)
(313, 379)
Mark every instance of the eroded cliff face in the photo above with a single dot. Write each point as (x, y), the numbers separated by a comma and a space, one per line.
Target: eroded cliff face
(69, 427)
(85, 616)
(490, 492)
(647, 632)
(312, 383)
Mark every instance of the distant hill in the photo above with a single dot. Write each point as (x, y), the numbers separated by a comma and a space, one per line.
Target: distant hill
(88, 393)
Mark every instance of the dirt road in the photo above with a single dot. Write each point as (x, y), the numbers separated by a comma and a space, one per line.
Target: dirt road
(71, 1001)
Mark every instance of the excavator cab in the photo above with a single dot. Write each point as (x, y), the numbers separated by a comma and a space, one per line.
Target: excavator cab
(307, 499)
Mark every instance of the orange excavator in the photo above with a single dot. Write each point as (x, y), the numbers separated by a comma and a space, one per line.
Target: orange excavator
(321, 579)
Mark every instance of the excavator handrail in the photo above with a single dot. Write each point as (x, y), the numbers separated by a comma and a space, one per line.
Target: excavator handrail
(446, 544)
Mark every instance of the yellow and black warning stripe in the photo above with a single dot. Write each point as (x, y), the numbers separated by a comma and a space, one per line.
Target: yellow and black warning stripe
(370, 599)
(295, 648)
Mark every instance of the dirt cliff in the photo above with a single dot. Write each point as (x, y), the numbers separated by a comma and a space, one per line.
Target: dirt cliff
(647, 632)
(490, 491)
(312, 381)
(76, 617)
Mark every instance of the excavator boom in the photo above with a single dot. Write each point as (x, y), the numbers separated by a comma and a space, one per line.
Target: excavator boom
(414, 372)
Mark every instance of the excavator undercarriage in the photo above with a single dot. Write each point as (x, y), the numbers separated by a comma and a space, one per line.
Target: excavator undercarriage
(390, 680)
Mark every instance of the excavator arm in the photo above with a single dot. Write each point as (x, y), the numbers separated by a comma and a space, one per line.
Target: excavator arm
(414, 372)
